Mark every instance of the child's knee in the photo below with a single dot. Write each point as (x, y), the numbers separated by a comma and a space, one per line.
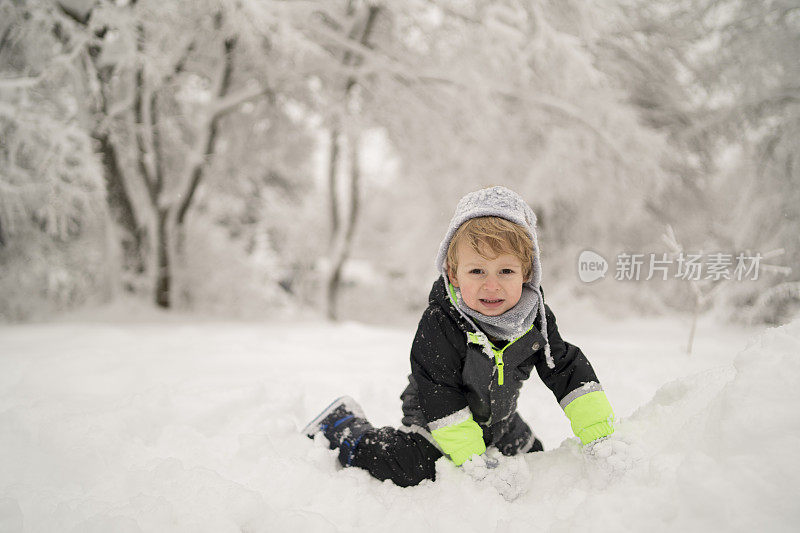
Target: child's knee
(405, 459)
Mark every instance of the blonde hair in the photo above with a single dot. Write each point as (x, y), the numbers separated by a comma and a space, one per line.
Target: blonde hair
(496, 235)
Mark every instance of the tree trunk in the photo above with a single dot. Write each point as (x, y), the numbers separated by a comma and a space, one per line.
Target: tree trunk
(129, 229)
(342, 234)
(196, 172)
(695, 316)
(131, 234)
(343, 240)
(333, 163)
(163, 274)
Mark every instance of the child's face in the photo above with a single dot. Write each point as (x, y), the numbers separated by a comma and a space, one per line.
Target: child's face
(489, 286)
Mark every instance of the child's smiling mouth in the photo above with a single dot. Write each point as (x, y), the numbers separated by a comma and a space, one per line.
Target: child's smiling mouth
(491, 302)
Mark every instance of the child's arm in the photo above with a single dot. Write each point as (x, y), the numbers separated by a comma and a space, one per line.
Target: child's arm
(436, 368)
(576, 387)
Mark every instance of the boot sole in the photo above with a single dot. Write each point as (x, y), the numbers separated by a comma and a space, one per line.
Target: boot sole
(313, 427)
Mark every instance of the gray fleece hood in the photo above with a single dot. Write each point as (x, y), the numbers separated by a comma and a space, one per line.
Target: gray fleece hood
(503, 203)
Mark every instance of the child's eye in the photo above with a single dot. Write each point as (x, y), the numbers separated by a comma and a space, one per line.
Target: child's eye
(477, 271)
(507, 271)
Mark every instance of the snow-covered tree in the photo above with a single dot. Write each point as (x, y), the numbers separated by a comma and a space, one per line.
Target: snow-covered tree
(156, 90)
(721, 79)
(505, 93)
(52, 208)
(279, 142)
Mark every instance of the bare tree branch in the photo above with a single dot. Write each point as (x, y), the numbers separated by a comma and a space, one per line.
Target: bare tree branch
(205, 148)
(142, 152)
(180, 64)
(230, 102)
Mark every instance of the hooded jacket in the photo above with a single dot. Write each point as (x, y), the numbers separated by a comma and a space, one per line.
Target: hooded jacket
(463, 389)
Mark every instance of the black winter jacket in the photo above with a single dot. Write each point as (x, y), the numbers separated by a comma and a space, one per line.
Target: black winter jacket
(449, 373)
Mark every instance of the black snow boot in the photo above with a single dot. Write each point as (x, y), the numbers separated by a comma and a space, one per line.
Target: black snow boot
(344, 424)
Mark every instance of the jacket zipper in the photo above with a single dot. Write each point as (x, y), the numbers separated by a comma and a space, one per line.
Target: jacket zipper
(498, 361)
(498, 354)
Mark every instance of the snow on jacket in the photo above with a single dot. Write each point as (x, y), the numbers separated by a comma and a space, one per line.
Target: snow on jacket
(464, 393)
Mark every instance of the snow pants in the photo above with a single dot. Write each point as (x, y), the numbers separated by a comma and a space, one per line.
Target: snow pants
(408, 458)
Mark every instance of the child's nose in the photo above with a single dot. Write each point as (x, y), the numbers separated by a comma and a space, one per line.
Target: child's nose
(491, 283)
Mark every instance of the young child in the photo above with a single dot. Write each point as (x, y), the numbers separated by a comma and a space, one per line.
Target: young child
(485, 329)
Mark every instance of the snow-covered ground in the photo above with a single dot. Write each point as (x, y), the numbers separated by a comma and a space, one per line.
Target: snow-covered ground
(147, 423)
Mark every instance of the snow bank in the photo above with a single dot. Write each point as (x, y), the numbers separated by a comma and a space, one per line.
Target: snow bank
(718, 450)
(193, 427)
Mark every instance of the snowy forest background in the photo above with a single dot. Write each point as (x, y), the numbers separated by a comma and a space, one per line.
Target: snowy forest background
(260, 158)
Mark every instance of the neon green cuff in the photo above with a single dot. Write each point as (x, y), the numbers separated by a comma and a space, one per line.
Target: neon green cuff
(591, 416)
(597, 431)
(461, 440)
